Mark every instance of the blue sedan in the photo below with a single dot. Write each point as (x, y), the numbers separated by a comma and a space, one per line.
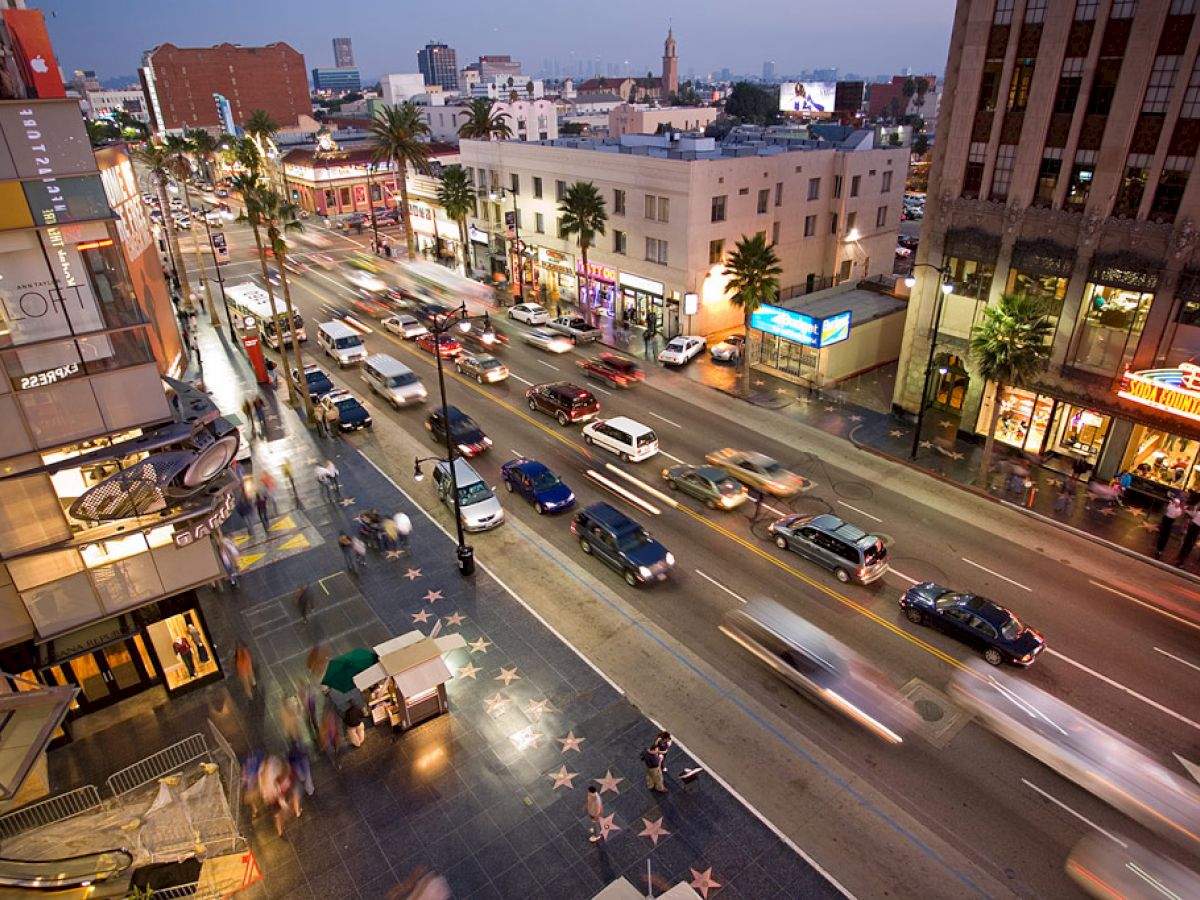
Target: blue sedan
(976, 621)
(537, 484)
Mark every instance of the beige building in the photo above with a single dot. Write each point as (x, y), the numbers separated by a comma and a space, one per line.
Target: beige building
(676, 208)
(626, 119)
(1062, 170)
(530, 120)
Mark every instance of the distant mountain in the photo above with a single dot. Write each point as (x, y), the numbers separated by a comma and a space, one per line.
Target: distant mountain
(119, 82)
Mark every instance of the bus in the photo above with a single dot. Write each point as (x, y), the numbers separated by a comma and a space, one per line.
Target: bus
(249, 301)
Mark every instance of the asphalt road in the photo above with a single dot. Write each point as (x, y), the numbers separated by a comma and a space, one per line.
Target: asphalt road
(1117, 652)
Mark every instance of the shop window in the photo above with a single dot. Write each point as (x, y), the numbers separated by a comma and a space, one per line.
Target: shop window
(970, 278)
(950, 388)
(1080, 184)
(1048, 290)
(1047, 180)
(1024, 417)
(1112, 323)
(345, 194)
(185, 651)
(1133, 185)
(1171, 185)
(1163, 457)
(1080, 431)
(716, 252)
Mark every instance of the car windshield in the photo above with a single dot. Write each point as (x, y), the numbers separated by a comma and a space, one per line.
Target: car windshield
(729, 486)
(344, 343)
(631, 540)
(464, 426)
(544, 481)
(488, 363)
(474, 493)
(402, 380)
(1012, 628)
(347, 404)
(772, 468)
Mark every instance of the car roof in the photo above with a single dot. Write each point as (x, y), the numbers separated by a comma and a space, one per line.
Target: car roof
(626, 424)
(566, 387)
(341, 396)
(608, 515)
(712, 473)
(464, 473)
(840, 527)
(986, 609)
(313, 367)
(528, 466)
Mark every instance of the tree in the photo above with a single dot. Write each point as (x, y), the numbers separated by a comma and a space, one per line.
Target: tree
(102, 133)
(909, 90)
(529, 89)
(752, 103)
(484, 122)
(894, 139)
(921, 88)
(920, 145)
(570, 128)
(157, 161)
(1008, 346)
(204, 146)
(753, 271)
(180, 150)
(583, 215)
(280, 217)
(457, 198)
(260, 128)
(396, 134)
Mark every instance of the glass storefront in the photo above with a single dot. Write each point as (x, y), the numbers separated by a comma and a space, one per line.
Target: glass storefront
(1159, 456)
(1111, 325)
(786, 356)
(185, 651)
(1040, 424)
(1049, 290)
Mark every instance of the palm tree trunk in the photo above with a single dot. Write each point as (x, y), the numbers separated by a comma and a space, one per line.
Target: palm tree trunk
(402, 176)
(173, 239)
(585, 300)
(208, 298)
(745, 360)
(262, 261)
(291, 313)
(990, 444)
(466, 247)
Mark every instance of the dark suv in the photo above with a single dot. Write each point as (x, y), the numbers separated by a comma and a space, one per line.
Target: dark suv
(622, 543)
(852, 554)
(565, 401)
(465, 433)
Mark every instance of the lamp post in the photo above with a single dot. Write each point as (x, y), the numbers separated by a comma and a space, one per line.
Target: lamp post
(220, 281)
(945, 289)
(442, 324)
(371, 205)
(518, 249)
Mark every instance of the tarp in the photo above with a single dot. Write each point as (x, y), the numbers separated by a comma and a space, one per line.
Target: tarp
(339, 674)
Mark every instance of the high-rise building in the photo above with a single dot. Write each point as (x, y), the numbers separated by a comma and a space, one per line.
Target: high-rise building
(670, 66)
(339, 80)
(180, 82)
(439, 64)
(1062, 171)
(768, 71)
(343, 53)
(497, 66)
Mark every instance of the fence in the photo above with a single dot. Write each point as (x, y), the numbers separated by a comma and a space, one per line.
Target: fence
(51, 810)
(164, 762)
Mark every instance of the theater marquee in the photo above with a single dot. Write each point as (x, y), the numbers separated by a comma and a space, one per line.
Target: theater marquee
(1175, 391)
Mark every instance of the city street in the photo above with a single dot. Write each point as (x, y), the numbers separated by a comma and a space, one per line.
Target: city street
(964, 812)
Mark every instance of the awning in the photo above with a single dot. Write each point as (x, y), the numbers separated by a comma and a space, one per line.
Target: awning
(28, 720)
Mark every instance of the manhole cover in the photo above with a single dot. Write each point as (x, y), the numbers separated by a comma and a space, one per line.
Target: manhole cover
(853, 490)
(929, 711)
(939, 719)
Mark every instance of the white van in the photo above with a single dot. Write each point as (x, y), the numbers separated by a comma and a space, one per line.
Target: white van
(630, 440)
(393, 380)
(341, 342)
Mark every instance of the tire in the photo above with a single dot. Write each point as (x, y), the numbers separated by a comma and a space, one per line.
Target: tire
(631, 578)
(711, 504)
(479, 379)
(585, 546)
(458, 368)
(672, 485)
(842, 575)
(587, 439)
(532, 406)
(781, 542)
(992, 656)
(915, 616)
(563, 420)
(541, 510)
(508, 486)
(624, 457)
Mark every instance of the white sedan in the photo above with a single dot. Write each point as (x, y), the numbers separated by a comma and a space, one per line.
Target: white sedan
(408, 327)
(365, 281)
(682, 349)
(730, 349)
(529, 313)
(550, 341)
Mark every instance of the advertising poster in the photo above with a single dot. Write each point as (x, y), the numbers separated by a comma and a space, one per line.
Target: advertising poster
(28, 32)
(807, 97)
(46, 140)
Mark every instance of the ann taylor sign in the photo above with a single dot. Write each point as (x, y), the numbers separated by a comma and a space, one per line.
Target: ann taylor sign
(210, 524)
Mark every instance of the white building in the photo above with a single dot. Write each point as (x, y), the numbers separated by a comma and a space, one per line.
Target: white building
(400, 87)
(100, 104)
(501, 87)
(676, 208)
(643, 119)
(530, 120)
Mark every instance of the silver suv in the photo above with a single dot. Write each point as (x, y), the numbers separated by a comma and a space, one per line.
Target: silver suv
(477, 504)
(850, 552)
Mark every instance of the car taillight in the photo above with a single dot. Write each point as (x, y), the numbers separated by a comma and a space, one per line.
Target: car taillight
(862, 571)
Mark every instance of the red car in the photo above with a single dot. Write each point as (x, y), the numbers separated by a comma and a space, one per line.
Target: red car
(447, 345)
(616, 370)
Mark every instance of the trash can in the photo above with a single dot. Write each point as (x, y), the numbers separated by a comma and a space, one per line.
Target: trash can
(466, 560)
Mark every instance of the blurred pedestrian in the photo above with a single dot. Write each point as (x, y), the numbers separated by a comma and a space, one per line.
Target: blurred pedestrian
(319, 418)
(335, 477)
(1065, 500)
(303, 598)
(403, 530)
(594, 806)
(273, 373)
(360, 551)
(250, 767)
(348, 555)
(356, 731)
(286, 471)
(243, 662)
(260, 504)
(230, 557)
(301, 765)
(248, 417)
(267, 483)
(1190, 535)
(333, 421)
(318, 657)
(421, 884)
(391, 534)
(322, 476)
(269, 773)
(329, 736)
(260, 412)
(289, 719)
(1166, 525)
(243, 507)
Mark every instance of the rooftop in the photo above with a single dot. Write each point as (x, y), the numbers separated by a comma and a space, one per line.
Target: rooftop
(865, 303)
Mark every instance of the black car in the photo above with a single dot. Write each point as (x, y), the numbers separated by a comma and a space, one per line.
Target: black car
(318, 382)
(468, 436)
(974, 620)
(622, 543)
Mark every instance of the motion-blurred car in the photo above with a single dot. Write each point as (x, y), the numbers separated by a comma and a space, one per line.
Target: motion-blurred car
(365, 281)
(566, 402)
(574, 327)
(608, 534)
(615, 370)
(296, 265)
(537, 484)
(1108, 869)
(681, 350)
(369, 306)
(483, 336)
(529, 313)
(317, 260)
(318, 381)
(221, 192)
(549, 341)
(730, 349)
(976, 621)
(445, 344)
(758, 471)
(351, 412)
(365, 263)
(483, 367)
(466, 435)
(707, 483)
(406, 326)
(849, 552)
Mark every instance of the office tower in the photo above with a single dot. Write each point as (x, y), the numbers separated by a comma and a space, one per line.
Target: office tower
(343, 53)
(439, 64)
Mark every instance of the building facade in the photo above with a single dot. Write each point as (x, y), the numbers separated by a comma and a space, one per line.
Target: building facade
(670, 66)
(343, 53)
(626, 119)
(396, 88)
(530, 120)
(439, 64)
(676, 208)
(180, 83)
(337, 80)
(1063, 171)
(102, 104)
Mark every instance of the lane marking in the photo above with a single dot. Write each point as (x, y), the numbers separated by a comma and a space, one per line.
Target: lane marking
(902, 576)
(1177, 658)
(1150, 606)
(860, 512)
(672, 456)
(1120, 687)
(627, 496)
(664, 419)
(548, 366)
(519, 378)
(633, 479)
(736, 596)
(972, 562)
(1079, 816)
(601, 390)
(778, 512)
(517, 453)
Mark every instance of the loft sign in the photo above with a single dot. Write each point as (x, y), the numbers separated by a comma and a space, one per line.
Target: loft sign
(208, 525)
(1175, 391)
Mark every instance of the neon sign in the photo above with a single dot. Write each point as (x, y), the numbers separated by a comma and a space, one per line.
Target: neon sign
(1176, 391)
(799, 328)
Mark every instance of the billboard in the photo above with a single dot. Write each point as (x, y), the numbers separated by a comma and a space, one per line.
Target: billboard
(807, 97)
(27, 29)
(799, 328)
(46, 140)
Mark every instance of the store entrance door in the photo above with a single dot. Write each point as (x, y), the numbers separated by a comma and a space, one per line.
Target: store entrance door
(107, 675)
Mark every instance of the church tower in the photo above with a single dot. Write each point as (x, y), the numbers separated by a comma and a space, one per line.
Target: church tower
(670, 68)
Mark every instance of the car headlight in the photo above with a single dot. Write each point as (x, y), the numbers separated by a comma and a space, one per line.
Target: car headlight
(487, 442)
(644, 571)
(1028, 657)
(570, 498)
(670, 558)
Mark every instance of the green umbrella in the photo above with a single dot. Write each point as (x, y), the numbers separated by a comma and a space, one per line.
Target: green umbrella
(339, 674)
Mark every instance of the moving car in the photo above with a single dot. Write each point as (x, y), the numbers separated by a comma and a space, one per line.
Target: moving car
(296, 265)
(484, 337)
(630, 440)
(537, 484)
(446, 344)
(406, 326)
(318, 260)
(365, 281)
(352, 414)
(616, 370)
(1106, 870)
(318, 381)
(974, 620)
(468, 436)
(850, 552)
(707, 483)
(681, 350)
(529, 313)
(482, 367)
(477, 505)
(758, 471)
(730, 349)
(341, 342)
(390, 378)
(566, 402)
(371, 307)
(549, 341)
(221, 192)
(574, 327)
(623, 544)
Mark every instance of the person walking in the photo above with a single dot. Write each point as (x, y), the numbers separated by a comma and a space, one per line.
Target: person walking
(335, 477)
(652, 757)
(333, 421)
(319, 418)
(243, 662)
(360, 551)
(403, 531)
(356, 731)
(391, 535)
(260, 504)
(330, 736)
(1190, 534)
(260, 413)
(230, 556)
(348, 555)
(301, 764)
(322, 476)
(248, 417)
(303, 597)
(1166, 524)
(244, 507)
(594, 806)
(286, 471)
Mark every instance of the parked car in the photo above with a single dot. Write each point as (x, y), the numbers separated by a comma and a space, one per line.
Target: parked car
(352, 414)
(574, 327)
(446, 344)
(608, 534)
(537, 484)
(482, 367)
(468, 436)
(318, 381)
(566, 402)
(730, 349)
(903, 252)
(681, 350)
(974, 620)
(758, 471)
(406, 326)
(707, 483)
(852, 554)
(529, 313)
(616, 370)
(478, 506)
(550, 341)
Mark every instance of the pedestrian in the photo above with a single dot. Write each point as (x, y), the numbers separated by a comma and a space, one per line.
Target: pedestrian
(335, 477)
(333, 421)
(594, 806)
(329, 737)
(272, 373)
(248, 417)
(260, 504)
(289, 719)
(303, 599)
(318, 659)
(391, 534)
(322, 476)
(267, 483)
(348, 555)
(200, 300)
(360, 551)
(356, 731)
(319, 418)
(230, 557)
(260, 412)
(663, 743)
(250, 766)
(244, 507)
(403, 531)
(1190, 535)
(243, 662)
(301, 765)
(652, 757)
(286, 471)
(1166, 524)
(1065, 499)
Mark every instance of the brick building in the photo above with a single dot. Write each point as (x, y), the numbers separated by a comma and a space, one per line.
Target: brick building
(180, 82)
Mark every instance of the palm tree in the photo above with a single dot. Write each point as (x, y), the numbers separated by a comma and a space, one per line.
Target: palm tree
(484, 122)
(158, 162)
(1008, 346)
(457, 198)
(396, 134)
(260, 128)
(281, 216)
(753, 271)
(583, 215)
(204, 147)
(181, 167)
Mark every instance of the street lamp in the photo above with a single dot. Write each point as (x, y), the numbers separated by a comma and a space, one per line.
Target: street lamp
(371, 205)
(442, 324)
(220, 281)
(947, 287)
(518, 249)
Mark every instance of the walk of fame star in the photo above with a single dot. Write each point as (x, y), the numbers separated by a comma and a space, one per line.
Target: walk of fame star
(422, 616)
(508, 676)
(455, 619)
(562, 778)
(653, 830)
(412, 574)
(470, 670)
(570, 742)
(609, 782)
(496, 704)
(479, 646)
(704, 882)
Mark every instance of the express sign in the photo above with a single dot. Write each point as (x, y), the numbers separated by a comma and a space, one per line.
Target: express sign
(1175, 391)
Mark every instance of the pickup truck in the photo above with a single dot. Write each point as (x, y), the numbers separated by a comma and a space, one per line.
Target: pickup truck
(574, 327)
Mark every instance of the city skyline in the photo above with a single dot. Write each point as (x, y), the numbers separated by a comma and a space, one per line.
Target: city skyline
(708, 41)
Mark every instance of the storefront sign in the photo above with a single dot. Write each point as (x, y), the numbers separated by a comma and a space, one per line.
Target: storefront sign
(638, 283)
(1176, 391)
(597, 271)
(835, 329)
(47, 140)
(477, 236)
(27, 30)
(90, 637)
(220, 248)
(50, 376)
(801, 329)
(210, 524)
(691, 304)
(56, 201)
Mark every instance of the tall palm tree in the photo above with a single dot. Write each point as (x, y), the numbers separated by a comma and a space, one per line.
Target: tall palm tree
(260, 128)
(282, 216)
(753, 271)
(397, 133)
(204, 148)
(180, 150)
(1008, 346)
(584, 216)
(155, 158)
(457, 198)
(483, 122)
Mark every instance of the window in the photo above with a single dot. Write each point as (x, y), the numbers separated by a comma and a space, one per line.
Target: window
(651, 206)
(718, 209)
(764, 200)
(851, 221)
(886, 185)
(1104, 86)
(656, 251)
(1183, 7)
(1123, 9)
(539, 223)
(833, 224)
(618, 202)
(558, 229)
(1162, 79)
(537, 187)
(779, 193)
(855, 183)
(775, 233)
(716, 252)
(1081, 179)
(516, 183)
(989, 84)
(814, 188)
(1171, 184)
(810, 226)
(620, 244)
(1018, 90)
(1085, 10)
(560, 190)
(1035, 12)
(881, 217)
(1069, 84)
(1133, 185)
(1002, 173)
(744, 192)
(1004, 11)
(664, 209)
(973, 175)
(1191, 99)
(1048, 174)
(1112, 322)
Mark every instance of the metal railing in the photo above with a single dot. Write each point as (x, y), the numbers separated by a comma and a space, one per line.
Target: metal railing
(51, 810)
(164, 762)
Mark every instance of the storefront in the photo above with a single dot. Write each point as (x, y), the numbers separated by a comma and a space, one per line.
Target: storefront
(597, 287)
(436, 236)
(1042, 424)
(479, 248)
(644, 302)
(555, 274)
(1116, 303)
(1156, 453)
